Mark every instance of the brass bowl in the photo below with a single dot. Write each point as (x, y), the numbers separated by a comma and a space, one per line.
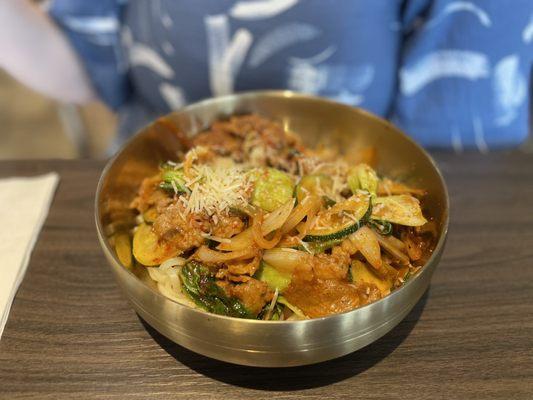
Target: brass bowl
(270, 343)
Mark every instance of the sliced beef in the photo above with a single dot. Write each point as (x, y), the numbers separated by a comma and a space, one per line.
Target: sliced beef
(253, 294)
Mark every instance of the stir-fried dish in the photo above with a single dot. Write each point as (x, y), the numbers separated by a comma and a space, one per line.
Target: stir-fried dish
(250, 223)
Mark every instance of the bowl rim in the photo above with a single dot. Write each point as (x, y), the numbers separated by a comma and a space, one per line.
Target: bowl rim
(283, 94)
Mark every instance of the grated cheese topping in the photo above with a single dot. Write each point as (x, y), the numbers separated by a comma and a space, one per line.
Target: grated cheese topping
(214, 185)
(214, 190)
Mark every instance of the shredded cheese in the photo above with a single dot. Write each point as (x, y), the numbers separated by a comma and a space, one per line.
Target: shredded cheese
(216, 190)
(350, 216)
(173, 183)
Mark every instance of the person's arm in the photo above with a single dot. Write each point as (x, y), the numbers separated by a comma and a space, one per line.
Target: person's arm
(35, 51)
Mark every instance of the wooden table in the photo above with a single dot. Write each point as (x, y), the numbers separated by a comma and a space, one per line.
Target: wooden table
(72, 334)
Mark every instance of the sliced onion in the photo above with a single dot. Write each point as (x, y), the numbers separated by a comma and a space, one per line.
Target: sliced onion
(173, 262)
(366, 242)
(286, 260)
(389, 248)
(241, 241)
(395, 242)
(205, 254)
(308, 204)
(277, 218)
(349, 247)
(273, 221)
(392, 241)
(258, 236)
(304, 227)
(268, 314)
(301, 226)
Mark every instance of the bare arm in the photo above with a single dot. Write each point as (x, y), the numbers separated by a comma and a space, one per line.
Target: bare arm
(34, 50)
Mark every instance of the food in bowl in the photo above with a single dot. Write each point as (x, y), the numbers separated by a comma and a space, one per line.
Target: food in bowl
(250, 223)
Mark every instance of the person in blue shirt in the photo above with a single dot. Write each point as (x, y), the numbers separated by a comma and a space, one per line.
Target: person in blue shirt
(452, 74)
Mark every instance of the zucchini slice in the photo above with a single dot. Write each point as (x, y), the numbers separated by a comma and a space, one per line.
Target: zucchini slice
(363, 177)
(335, 233)
(273, 188)
(273, 278)
(402, 209)
(319, 247)
(341, 220)
(147, 249)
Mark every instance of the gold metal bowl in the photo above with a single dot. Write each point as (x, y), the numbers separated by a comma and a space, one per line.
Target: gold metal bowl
(270, 343)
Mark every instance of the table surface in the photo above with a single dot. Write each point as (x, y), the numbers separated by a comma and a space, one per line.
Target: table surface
(72, 334)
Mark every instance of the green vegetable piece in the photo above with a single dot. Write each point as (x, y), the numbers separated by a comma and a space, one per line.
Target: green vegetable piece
(328, 201)
(363, 177)
(276, 313)
(319, 185)
(200, 285)
(172, 179)
(349, 276)
(320, 247)
(337, 232)
(273, 188)
(273, 278)
(402, 209)
(383, 227)
(334, 235)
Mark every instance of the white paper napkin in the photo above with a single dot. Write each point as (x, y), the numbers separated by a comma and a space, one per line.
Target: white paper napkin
(24, 204)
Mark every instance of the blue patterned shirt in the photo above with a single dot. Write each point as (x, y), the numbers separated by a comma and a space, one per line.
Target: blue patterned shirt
(452, 74)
